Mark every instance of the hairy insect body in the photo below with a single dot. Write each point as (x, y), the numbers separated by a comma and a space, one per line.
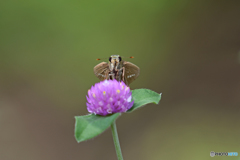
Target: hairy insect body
(115, 69)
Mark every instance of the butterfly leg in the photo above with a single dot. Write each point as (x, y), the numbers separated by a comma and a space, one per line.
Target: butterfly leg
(107, 75)
(111, 75)
(123, 72)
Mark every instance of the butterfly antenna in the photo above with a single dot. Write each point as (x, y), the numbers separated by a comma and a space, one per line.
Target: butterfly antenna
(128, 57)
(100, 59)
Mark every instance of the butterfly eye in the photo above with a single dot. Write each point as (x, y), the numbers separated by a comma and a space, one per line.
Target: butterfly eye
(120, 59)
(110, 58)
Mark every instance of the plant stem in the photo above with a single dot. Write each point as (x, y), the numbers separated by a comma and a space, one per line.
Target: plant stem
(116, 141)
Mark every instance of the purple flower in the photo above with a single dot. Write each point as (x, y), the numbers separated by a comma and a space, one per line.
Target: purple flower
(109, 96)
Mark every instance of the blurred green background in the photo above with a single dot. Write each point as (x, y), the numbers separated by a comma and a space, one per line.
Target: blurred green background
(187, 50)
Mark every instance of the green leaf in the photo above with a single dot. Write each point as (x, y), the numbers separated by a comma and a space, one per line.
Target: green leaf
(89, 126)
(144, 96)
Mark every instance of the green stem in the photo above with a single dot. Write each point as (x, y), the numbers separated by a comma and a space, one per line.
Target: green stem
(116, 141)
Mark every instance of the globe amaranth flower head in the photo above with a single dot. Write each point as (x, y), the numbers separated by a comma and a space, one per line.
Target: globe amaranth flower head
(109, 96)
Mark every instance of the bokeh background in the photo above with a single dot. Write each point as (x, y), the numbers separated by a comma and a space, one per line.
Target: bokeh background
(187, 50)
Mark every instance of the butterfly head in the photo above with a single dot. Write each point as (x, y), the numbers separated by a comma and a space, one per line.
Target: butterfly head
(115, 59)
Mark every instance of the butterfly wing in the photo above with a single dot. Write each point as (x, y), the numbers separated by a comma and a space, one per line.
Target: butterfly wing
(131, 72)
(101, 70)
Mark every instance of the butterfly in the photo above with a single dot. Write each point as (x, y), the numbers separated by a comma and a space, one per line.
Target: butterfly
(117, 69)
